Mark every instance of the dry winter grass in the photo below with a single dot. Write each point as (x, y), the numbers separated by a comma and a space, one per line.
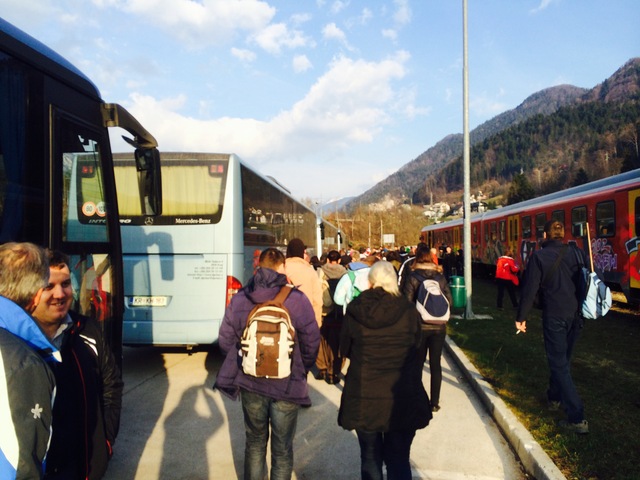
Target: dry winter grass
(606, 370)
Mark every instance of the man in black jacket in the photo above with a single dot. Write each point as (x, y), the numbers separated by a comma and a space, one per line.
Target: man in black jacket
(554, 270)
(86, 414)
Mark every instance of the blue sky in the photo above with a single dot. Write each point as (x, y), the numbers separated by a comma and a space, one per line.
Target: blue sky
(328, 97)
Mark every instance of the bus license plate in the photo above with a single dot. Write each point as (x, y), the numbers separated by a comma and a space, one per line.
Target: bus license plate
(138, 301)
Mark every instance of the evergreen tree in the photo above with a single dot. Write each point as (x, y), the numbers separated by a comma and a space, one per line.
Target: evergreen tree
(581, 178)
(520, 190)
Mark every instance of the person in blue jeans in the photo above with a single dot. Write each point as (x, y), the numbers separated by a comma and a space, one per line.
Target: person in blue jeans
(383, 398)
(270, 405)
(554, 270)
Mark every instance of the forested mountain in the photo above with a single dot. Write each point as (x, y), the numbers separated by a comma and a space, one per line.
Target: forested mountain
(556, 137)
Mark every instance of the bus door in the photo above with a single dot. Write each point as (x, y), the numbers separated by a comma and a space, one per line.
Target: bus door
(633, 242)
(513, 233)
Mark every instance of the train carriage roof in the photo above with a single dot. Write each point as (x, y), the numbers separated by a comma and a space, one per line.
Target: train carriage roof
(615, 181)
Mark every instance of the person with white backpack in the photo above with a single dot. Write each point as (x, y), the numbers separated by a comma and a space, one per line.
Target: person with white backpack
(555, 271)
(427, 279)
(270, 405)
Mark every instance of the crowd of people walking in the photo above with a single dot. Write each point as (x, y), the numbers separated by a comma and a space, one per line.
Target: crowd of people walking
(367, 319)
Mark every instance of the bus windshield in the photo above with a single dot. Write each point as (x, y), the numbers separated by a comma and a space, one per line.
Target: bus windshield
(192, 190)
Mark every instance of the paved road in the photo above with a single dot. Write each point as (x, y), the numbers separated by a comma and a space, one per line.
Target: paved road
(175, 427)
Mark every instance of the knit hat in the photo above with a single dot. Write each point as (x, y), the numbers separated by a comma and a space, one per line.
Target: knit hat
(296, 248)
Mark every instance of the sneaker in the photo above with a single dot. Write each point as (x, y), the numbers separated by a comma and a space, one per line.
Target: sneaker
(579, 427)
(321, 375)
(435, 408)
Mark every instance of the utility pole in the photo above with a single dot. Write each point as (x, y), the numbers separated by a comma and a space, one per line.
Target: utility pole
(467, 168)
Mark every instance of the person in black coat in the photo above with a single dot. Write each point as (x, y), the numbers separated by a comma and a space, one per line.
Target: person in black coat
(433, 335)
(86, 412)
(554, 271)
(383, 399)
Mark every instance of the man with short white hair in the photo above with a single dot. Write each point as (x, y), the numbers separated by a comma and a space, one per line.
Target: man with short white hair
(27, 385)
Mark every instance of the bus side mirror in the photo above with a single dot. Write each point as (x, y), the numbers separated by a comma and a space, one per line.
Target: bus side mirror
(149, 180)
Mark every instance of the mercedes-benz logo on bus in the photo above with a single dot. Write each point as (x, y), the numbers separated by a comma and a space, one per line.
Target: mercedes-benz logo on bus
(148, 221)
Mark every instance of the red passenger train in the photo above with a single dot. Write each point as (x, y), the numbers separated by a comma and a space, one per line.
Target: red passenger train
(610, 207)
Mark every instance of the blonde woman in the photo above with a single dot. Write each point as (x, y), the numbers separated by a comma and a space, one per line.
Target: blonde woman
(383, 399)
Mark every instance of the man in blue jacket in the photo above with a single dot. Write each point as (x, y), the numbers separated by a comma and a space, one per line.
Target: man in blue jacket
(27, 385)
(268, 402)
(554, 270)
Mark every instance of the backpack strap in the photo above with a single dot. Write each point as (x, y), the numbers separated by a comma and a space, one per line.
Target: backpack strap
(282, 295)
(555, 265)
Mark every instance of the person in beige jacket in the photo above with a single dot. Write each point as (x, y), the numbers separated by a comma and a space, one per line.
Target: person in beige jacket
(302, 275)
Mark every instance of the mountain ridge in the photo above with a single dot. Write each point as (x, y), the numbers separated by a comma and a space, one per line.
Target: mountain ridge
(622, 86)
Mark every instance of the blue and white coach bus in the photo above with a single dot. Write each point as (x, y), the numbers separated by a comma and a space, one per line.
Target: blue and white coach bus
(181, 268)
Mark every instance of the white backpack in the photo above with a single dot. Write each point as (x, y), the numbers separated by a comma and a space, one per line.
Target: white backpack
(268, 339)
(594, 294)
(432, 303)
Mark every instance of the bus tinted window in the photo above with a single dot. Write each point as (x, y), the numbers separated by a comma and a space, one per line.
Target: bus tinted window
(84, 208)
(606, 219)
(271, 216)
(192, 189)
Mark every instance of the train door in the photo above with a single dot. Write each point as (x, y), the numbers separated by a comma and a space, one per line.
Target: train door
(633, 243)
(456, 239)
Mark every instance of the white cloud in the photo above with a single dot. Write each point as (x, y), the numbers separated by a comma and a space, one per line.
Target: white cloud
(243, 55)
(350, 104)
(275, 36)
(486, 106)
(300, 18)
(199, 24)
(332, 32)
(338, 6)
(301, 63)
(365, 16)
(543, 5)
(390, 33)
(402, 15)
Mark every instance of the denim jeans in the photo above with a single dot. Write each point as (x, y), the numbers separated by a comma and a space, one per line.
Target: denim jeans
(392, 448)
(260, 413)
(560, 335)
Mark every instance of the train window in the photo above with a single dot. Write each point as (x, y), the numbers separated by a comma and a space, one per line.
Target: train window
(637, 219)
(579, 221)
(541, 219)
(474, 231)
(486, 233)
(526, 227)
(558, 215)
(606, 219)
(503, 231)
(494, 231)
